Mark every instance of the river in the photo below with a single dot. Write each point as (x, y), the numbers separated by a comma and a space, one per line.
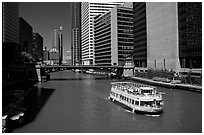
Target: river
(78, 103)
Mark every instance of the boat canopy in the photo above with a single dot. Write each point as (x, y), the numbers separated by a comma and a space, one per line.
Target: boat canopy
(146, 88)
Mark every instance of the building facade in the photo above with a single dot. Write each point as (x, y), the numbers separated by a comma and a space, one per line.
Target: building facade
(54, 56)
(37, 47)
(45, 54)
(88, 12)
(10, 33)
(140, 34)
(76, 33)
(190, 34)
(60, 46)
(55, 39)
(162, 35)
(10, 22)
(113, 36)
(25, 36)
(172, 29)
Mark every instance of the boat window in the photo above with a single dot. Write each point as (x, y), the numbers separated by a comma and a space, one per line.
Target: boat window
(142, 103)
(136, 102)
(133, 101)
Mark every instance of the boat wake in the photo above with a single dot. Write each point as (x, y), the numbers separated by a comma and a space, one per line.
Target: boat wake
(128, 111)
(152, 115)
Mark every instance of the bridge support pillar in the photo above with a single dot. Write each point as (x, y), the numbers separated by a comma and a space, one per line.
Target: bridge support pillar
(41, 75)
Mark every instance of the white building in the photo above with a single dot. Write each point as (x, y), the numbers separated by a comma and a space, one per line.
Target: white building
(88, 12)
(162, 35)
(55, 39)
(113, 35)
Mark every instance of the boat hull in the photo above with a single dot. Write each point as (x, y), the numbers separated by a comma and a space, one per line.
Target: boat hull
(134, 110)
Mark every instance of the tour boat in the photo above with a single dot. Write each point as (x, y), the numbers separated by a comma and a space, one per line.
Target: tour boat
(138, 97)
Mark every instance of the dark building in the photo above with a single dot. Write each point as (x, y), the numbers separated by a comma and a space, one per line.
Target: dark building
(25, 36)
(10, 35)
(54, 56)
(45, 54)
(140, 34)
(10, 22)
(76, 33)
(60, 46)
(190, 34)
(124, 32)
(37, 47)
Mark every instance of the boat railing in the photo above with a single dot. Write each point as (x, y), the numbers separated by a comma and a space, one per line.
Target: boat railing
(130, 84)
(152, 106)
(136, 92)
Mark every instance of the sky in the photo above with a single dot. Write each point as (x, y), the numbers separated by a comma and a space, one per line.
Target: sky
(45, 17)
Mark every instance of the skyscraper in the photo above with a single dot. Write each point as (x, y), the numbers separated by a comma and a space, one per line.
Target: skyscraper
(55, 39)
(76, 33)
(45, 54)
(88, 12)
(25, 36)
(60, 46)
(10, 31)
(37, 46)
(113, 35)
(162, 35)
(140, 34)
(172, 29)
(190, 34)
(10, 22)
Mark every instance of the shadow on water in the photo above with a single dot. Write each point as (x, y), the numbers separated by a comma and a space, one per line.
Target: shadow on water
(35, 101)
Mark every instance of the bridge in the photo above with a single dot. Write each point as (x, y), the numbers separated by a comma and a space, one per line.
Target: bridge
(68, 67)
(54, 68)
(42, 70)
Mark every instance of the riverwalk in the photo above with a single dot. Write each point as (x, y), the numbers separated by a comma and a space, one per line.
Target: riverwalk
(188, 87)
(169, 85)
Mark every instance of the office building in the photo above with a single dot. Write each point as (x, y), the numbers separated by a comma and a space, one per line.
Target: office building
(162, 35)
(140, 34)
(60, 46)
(113, 36)
(190, 34)
(173, 30)
(68, 58)
(55, 39)
(37, 47)
(76, 33)
(10, 32)
(45, 54)
(10, 22)
(88, 12)
(25, 36)
(54, 56)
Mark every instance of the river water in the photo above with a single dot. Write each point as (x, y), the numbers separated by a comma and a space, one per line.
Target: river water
(79, 103)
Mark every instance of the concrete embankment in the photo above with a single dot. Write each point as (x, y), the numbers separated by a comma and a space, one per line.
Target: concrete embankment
(169, 85)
